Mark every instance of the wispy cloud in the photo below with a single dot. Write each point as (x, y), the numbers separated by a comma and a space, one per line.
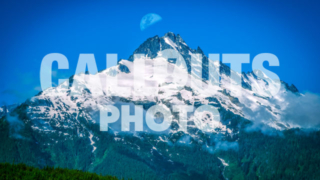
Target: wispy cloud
(302, 110)
(296, 110)
(16, 125)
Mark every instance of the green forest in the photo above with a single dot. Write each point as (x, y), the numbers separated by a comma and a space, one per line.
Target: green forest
(288, 154)
(22, 171)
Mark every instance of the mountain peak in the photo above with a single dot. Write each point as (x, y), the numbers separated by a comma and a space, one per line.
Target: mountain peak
(199, 50)
(153, 45)
(175, 38)
(170, 34)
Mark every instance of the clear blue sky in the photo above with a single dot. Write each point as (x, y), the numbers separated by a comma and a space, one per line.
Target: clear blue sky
(31, 29)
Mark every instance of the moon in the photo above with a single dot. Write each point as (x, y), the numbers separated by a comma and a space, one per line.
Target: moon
(149, 20)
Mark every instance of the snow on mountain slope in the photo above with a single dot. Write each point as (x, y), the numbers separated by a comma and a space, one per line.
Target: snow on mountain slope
(75, 103)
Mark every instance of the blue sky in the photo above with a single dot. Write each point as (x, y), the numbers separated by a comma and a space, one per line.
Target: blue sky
(31, 29)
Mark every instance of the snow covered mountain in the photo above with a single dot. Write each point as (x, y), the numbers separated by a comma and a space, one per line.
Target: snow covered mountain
(69, 109)
(69, 113)
(57, 108)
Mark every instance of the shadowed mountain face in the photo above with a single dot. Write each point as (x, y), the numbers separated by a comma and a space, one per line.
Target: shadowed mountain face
(60, 126)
